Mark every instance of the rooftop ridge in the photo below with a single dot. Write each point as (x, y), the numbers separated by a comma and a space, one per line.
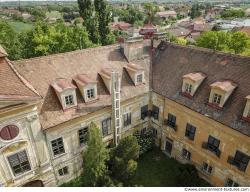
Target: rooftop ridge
(107, 47)
(207, 50)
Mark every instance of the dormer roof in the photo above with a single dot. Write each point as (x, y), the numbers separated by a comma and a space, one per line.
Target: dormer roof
(133, 67)
(195, 76)
(226, 86)
(106, 72)
(83, 79)
(62, 84)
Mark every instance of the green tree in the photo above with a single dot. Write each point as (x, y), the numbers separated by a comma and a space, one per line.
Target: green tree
(233, 13)
(94, 159)
(195, 11)
(124, 156)
(47, 39)
(216, 40)
(9, 40)
(151, 9)
(239, 42)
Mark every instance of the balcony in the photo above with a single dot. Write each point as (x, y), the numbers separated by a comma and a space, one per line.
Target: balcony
(211, 148)
(170, 124)
(240, 166)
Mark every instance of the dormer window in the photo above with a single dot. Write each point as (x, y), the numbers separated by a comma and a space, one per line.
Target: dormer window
(216, 98)
(91, 93)
(246, 112)
(66, 93)
(191, 82)
(188, 88)
(139, 78)
(220, 92)
(136, 73)
(69, 100)
(87, 87)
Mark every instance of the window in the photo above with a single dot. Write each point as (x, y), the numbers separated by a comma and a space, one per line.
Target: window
(83, 135)
(143, 131)
(241, 160)
(139, 78)
(188, 88)
(190, 131)
(91, 93)
(171, 120)
(231, 183)
(155, 133)
(216, 98)
(127, 119)
(57, 146)
(106, 127)
(155, 112)
(9, 132)
(186, 154)
(63, 171)
(144, 112)
(69, 100)
(19, 162)
(207, 168)
(213, 143)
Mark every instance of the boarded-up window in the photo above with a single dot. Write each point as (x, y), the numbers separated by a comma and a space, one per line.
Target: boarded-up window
(9, 132)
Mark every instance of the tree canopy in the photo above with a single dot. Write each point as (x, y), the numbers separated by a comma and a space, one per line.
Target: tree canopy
(233, 13)
(94, 159)
(236, 42)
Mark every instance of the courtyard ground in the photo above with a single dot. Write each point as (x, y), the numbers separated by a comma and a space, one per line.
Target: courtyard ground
(155, 169)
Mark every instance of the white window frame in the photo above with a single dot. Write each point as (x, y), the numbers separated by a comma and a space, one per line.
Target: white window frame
(140, 76)
(216, 98)
(69, 98)
(90, 93)
(206, 170)
(188, 88)
(58, 155)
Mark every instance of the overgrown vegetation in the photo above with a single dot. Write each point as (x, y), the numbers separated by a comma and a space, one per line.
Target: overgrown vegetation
(122, 166)
(233, 13)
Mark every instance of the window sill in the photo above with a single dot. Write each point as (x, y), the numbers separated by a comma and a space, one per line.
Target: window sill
(214, 106)
(58, 156)
(188, 95)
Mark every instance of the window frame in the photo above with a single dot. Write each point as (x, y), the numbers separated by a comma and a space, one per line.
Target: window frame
(186, 154)
(65, 171)
(239, 159)
(108, 126)
(140, 77)
(171, 122)
(190, 131)
(12, 166)
(231, 183)
(188, 88)
(90, 93)
(207, 168)
(216, 98)
(127, 119)
(81, 136)
(213, 145)
(144, 112)
(69, 100)
(155, 112)
(62, 145)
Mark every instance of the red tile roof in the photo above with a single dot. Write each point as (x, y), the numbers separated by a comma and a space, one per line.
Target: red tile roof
(173, 61)
(43, 71)
(12, 85)
(83, 79)
(62, 84)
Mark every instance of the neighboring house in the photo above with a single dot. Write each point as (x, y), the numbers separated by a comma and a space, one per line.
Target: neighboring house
(27, 16)
(166, 14)
(243, 29)
(120, 25)
(179, 32)
(198, 108)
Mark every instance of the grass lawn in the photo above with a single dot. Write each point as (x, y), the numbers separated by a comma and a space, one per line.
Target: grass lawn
(155, 169)
(20, 26)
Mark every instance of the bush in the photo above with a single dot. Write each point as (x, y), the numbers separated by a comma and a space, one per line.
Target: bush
(146, 142)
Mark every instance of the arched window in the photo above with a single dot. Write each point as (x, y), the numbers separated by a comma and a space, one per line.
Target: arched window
(9, 132)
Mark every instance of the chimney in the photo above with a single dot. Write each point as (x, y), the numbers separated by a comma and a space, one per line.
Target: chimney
(133, 48)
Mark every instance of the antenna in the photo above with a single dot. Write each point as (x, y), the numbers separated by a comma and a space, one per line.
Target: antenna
(116, 120)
